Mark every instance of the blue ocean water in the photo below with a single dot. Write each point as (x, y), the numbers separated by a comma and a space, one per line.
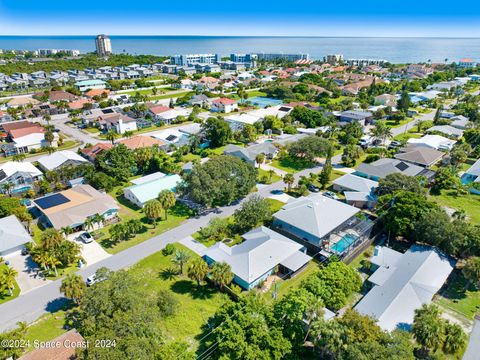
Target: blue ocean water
(395, 50)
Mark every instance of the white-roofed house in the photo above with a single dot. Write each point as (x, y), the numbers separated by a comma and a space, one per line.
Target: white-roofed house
(460, 122)
(13, 236)
(403, 283)
(358, 191)
(317, 221)
(258, 256)
(21, 176)
(148, 187)
(448, 130)
(33, 141)
(433, 141)
(60, 159)
(238, 121)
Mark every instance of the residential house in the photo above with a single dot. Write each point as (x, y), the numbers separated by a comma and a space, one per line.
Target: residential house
(448, 130)
(386, 100)
(433, 141)
(420, 155)
(199, 100)
(311, 219)
(148, 187)
(403, 283)
(60, 159)
(249, 154)
(224, 105)
(72, 207)
(238, 121)
(466, 63)
(97, 92)
(460, 122)
(170, 115)
(472, 175)
(63, 347)
(179, 135)
(21, 176)
(85, 85)
(358, 191)
(157, 110)
(363, 117)
(57, 95)
(141, 141)
(22, 101)
(118, 122)
(279, 110)
(90, 153)
(262, 252)
(382, 167)
(13, 236)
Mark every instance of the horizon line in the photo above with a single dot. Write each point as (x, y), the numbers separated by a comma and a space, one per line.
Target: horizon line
(254, 36)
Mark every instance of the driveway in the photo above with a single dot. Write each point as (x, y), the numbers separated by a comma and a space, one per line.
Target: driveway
(27, 278)
(197, 247)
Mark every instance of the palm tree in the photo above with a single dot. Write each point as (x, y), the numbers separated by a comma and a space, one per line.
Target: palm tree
(153, 210)
(53, 262)
(197, 270)
(128, 134)
(259, 159)
(73, 287)
(42, 259)
(89, 223)
(19, 157)
(167, 200)
(111, 135)
(222, 274)
(47, 118)
(314, 311)
(51, 238)
(67, 230)
(49, 137)
(180, 258)
(98, 219)
(420, 123)
(381, 131)
(9, 275)
(289, 179)
(270, 175)
(455, 338)
(7, 188)
(22, 327)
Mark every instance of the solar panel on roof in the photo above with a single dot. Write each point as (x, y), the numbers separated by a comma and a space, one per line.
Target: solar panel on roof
(171, 137)
(401, 166)
(51, 201)
(44, 107)
(107, 111)
(283, 108)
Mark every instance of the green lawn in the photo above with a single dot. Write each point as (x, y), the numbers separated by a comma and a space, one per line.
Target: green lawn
(5, 295)
(176, 216)
(284, 286)
(92, 130)
(168, 96)
(65, 146)
(190, 157)
(262, 174)
(460, 296)
(221, 149)
(393, 124)
(255, 93)
(470, 203)
(406, 136)
(47, 327)
(197, 305)
(291, 165)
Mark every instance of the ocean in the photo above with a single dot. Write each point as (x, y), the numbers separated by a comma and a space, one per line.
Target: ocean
(395, 50)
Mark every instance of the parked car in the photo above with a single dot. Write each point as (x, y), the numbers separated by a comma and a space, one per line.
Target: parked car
(276, 192)
(313, 188)
(394, 144)
(365, 141)
(92, 279)
(86, 237)
(331, 195)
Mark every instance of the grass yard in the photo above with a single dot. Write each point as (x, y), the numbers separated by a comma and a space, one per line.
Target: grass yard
(5, 295)
(221, 149)
(264, 174)
(406, 136)
(285, 286)
(393, 124)
(470, 203)
(291, 165)
(196, 305)
(460, 296)
(92, 130)
(176, 216)
(170, 95)
(190, 157)
(47, 327)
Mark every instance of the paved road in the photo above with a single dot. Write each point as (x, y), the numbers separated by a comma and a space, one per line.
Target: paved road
(404, 128)
(28, 307)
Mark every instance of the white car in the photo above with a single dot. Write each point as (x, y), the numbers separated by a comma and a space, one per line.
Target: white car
(86, 238)
(92, 279)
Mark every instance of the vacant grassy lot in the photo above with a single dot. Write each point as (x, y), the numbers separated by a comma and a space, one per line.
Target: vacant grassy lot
(470, 203)
(197, 304)
(460, 296)
(47, 327)
(406, 136)
(270, 177)
(290, 164)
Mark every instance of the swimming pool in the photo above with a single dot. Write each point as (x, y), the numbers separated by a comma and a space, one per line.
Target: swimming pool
(264, 101)
(344, 243)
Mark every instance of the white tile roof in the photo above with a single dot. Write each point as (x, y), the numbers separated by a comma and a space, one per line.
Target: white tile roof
(58, 158)
(356, 183)
(315, 214)
(12, 233)
(262, 250)
(406, 284)
(12, 167)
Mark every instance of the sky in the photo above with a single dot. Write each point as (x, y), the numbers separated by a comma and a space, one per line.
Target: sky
(407, 18)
